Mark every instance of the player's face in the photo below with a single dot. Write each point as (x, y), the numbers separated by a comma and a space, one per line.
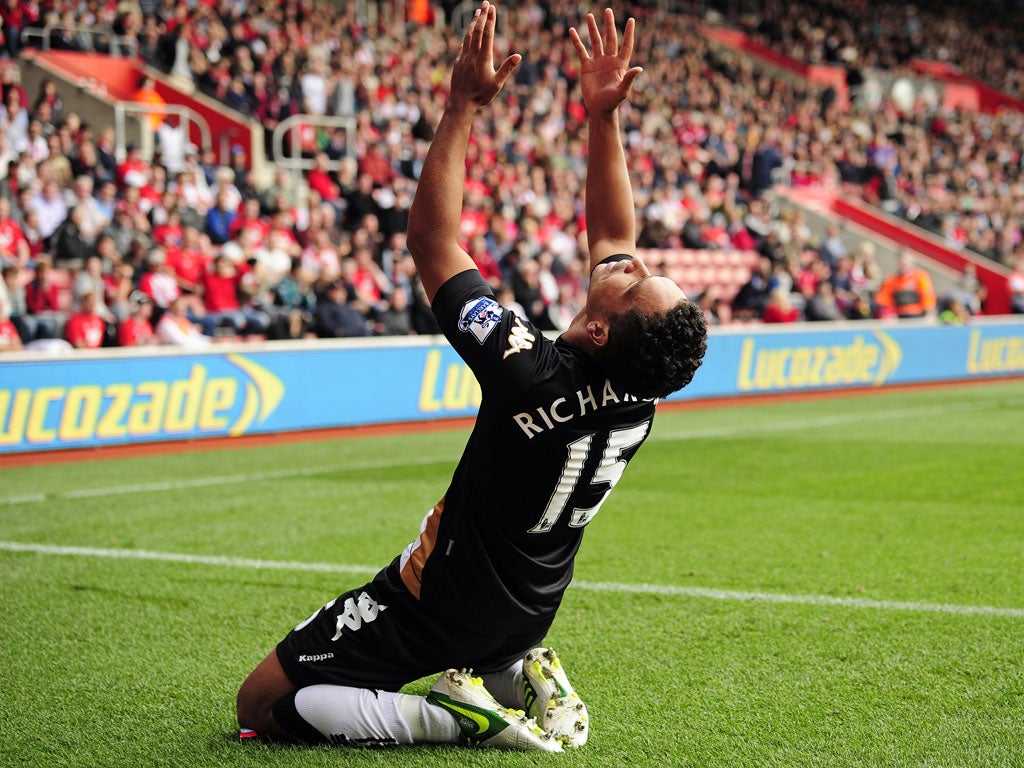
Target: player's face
(618, 286)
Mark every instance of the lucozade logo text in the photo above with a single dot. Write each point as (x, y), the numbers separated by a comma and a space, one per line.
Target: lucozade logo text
(862, 362)
(198, 404)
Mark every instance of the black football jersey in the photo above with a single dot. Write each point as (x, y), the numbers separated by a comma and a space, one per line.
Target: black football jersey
(551, 439)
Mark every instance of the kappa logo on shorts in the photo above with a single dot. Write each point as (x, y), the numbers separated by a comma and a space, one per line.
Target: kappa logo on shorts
(479, 317)
(315, 657)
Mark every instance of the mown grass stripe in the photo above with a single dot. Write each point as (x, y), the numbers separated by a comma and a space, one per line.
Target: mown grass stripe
(600, 586)
(725, 432)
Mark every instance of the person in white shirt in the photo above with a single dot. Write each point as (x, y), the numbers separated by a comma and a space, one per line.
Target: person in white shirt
(175, 329)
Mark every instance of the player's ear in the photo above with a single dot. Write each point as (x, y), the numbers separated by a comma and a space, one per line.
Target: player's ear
(597, 332)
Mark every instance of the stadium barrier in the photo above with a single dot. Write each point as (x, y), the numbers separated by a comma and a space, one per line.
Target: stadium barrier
(117, 396)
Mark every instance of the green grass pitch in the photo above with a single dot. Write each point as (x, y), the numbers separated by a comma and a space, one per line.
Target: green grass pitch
(829, 582)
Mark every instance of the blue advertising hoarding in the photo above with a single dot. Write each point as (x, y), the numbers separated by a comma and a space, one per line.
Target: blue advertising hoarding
(127, 396)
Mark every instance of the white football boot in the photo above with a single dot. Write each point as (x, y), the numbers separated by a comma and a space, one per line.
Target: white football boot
(551, 700)
(482, 720)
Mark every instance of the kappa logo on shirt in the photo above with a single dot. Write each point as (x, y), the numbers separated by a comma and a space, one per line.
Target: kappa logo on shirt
(518, 340)
(479, 317)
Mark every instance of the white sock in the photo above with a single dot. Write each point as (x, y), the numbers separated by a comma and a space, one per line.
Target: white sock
(363, 717)
(506, 686)
(427, 722)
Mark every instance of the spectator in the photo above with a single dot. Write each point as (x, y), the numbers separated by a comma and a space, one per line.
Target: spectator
(1016, 286)
(14, 121)
(10, 340)
(396, 319)
(907, 293)
(175, 329)
(822, 305)
(188, 262)
(752, 298)
(779, 308)
(13, 292)
(221, 285)
(294, 302)
(954, 312)
(120, 284)
(89, 281)
(159, 282)
(48, 204)
(136, 330)
(14, 247)
(970, 290)
(334, 317)
(86, 328)
(43, 297)
(146, 94)
(91, 219)
(221, 217)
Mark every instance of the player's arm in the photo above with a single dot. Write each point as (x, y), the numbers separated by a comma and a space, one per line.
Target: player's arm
(606, 80)
(437, 207)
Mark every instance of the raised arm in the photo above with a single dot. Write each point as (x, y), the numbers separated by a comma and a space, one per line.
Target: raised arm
(437, 207)
(606, 80)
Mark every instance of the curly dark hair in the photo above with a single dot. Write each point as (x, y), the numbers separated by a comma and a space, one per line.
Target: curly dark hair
(655, 355)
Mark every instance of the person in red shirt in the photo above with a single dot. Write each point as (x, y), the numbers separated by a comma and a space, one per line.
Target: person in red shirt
(485, 261)
(134, 171)
(319, 178)
(779, 308)
(10, 341)
(250, 220)
(188, 262)
(46, 300)
(137, 329)
(86, 329)
(13, 244)
(375, 163)
(221, 285)
(170, 234)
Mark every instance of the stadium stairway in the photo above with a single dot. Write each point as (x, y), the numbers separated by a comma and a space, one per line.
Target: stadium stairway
(859, 221)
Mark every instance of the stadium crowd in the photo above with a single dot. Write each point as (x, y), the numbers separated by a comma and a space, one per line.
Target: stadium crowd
(187, 251)
(981, 40)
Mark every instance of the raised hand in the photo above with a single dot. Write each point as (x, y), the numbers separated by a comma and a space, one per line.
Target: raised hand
(474, 79)
(606, 78)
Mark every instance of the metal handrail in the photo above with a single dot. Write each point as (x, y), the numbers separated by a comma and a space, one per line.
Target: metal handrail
(144, 109)
(117, 41)
(295, 159)
(295, 162)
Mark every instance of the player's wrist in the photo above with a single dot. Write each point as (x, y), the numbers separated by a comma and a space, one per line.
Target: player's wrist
(461, 106)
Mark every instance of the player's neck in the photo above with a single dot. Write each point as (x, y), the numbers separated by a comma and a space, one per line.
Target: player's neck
(576, 334)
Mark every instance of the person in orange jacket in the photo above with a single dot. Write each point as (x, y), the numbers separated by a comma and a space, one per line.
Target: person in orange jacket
(907, 293)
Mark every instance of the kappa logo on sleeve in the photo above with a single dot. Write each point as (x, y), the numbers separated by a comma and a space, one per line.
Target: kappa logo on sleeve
(519, 339)
(479, 317)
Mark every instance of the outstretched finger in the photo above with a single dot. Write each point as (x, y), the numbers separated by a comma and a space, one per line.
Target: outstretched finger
(595, 35)
(581, 49)
(490, 14)
(479, 22)
(629, 77)
(508, 66)
(611, 36)
(467, 40)
(627, 40)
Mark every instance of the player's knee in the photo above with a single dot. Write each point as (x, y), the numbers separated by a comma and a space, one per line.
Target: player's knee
(251, 709)
(262, 689)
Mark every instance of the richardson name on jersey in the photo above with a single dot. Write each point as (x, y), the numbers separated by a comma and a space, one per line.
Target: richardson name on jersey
(567, 408)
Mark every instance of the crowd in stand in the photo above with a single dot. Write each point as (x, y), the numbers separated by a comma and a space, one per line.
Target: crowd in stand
(982, 40)
(187, 251)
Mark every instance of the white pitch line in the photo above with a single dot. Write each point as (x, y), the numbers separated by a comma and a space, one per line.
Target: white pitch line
(203, 482)
(589, 586)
